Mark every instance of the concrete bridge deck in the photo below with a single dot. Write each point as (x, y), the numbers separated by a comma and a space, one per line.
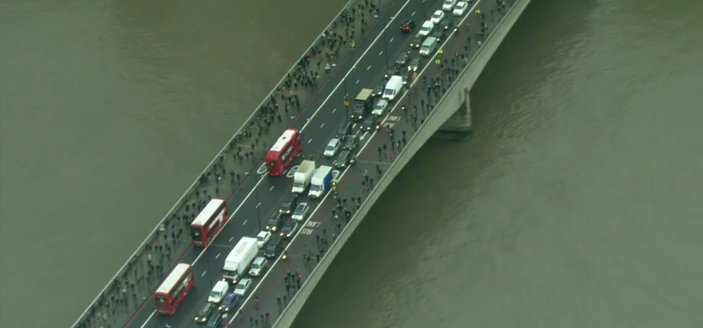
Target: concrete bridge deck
(439, 89)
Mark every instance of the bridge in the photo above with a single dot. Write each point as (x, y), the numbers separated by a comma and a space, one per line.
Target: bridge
(354, 51)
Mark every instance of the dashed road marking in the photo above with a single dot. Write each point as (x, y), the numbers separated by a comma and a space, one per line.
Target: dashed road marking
(217, 256)
(391, 40)
(309, 141)
(203, 274)
(258, 205)
(322, 125)
(368, 68)
(245, 222)
(271, 188)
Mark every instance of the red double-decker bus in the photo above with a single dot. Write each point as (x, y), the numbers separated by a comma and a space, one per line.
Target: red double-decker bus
(286, 148)
(208, 222)
(174, 289)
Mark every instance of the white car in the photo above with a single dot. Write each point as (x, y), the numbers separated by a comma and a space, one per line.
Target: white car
(448, 5)
(380, 107)
(437, 17)
(258, 266)
(262, 238)
(218, 292)
(460, 8)
(332, 147)
(426, 28)
(242, 287)
(301, 211)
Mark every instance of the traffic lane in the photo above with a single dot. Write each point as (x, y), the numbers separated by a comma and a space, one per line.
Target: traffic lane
(360, 62)
(259, 204)
(343, 67)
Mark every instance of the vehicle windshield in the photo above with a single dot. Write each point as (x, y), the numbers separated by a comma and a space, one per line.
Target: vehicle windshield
(195, 233)
(298, 184)
(388, 91)
(330, 147)
(215, 294)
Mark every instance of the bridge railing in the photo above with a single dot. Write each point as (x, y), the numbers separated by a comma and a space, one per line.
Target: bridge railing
(289, 90)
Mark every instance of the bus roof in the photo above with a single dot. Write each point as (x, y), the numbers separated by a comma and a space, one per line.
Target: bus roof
(173, 277)
(284, 139)
(208, 211)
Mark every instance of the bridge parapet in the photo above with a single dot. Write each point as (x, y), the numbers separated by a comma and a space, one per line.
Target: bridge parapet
(228, 172)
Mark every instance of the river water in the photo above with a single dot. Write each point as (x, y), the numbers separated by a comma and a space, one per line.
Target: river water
(578, 203)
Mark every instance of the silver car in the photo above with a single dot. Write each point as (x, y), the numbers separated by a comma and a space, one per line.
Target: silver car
(332, 147)
(258, 266)
(242, 286)
(301, 211)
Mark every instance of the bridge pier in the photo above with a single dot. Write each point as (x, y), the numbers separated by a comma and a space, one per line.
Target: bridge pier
(458, 126)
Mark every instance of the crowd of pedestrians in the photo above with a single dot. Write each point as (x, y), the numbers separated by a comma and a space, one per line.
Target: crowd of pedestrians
(415, 110)
(134, 284)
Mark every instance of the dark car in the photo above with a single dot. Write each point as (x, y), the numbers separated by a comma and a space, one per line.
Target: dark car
(274, 222)
(447, 24)
(414, 64)
(378, 89)
(204, 313)
(229, 302)
(438, 33)
(273, 247)
(343, 159)
(393, 70)
(417, 41)
(405, 75)
(407, 25)
(289, 204)
(289, 229)
(402, 59)
(370, 123)
(344, 129)
(352, 142)
(215, 320)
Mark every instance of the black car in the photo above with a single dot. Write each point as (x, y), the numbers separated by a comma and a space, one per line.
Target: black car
(414, 64)
(447, 24)
(378, 89)
(402, 59)
(204, 313)
(352, 142)
(438, 33)
(344, 129)
(370, 123)
(215, 320)
(393, 70)
(417, 41)
(343, 159)
(274, 222)
(407, 25)
(289, 229)
(273, 247)
(289, 204)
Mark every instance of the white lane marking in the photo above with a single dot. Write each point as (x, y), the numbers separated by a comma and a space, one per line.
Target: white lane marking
(345, 171)
(391, 40)
(257, 205)
(309, 141)
(368, 68)
(412, 14)
(357, 82)
(230, 238)
(203, 274)
(380, 53)
(334, 110)
(245, 222)
(217, 256)
(322, 125)
(271, 188)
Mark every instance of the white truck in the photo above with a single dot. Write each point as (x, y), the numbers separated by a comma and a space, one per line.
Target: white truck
(393, 87)
(302, 176)
(321, 181)
(239, 258)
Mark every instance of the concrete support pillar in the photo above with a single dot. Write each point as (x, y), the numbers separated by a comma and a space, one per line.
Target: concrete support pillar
(458, 126)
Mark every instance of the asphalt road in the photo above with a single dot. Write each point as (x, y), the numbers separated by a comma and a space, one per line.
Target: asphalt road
(261, 195)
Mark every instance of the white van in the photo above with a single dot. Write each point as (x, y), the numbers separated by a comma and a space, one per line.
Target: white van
(218, 292)
(393, 87)
(428, 46)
